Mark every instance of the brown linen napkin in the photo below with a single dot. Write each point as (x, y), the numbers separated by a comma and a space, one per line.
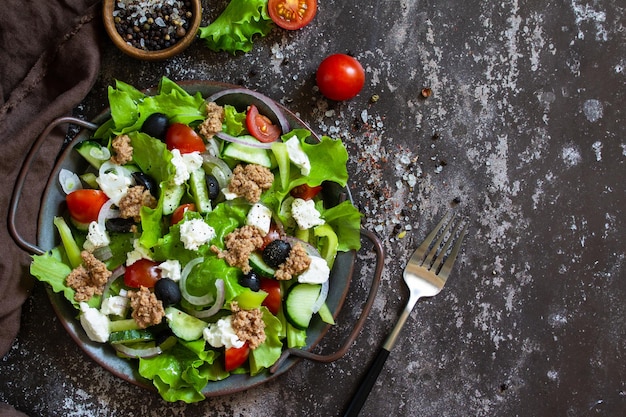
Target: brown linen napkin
(49, 59)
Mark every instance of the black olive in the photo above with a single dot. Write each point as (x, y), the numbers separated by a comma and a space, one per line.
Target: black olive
(167, 291)
(147, 181)
(250, 280)
(213, 186)
(119, 225)
(156, 126)
(276, 252)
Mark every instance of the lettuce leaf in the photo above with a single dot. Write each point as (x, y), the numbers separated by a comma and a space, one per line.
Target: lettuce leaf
(236, 27)
(269, 351)
(180, 373)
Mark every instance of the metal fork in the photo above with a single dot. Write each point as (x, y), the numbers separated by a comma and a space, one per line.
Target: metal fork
(425, 275)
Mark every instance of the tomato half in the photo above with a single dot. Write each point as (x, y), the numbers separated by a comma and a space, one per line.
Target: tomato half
(142, 273)
(260, 126)
(180, 211)
(235, 357)
(184, 138)
(340, 77)
(305, 191)
(85, 204)
(292, 14)
(273, 299)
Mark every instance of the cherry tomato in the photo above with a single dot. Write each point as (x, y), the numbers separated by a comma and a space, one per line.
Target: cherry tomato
(184, 138)
(235, 357)
(292, 14)
(271, 235)
(340, 77)
(180, 211)
(142, 273)
(85, 204)
(273, 299)
(260, 126)
(305, 191)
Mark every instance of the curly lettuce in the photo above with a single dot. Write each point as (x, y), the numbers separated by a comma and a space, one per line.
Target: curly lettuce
(235, 28)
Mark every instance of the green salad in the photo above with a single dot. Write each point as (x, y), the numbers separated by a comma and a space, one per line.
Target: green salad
(197, 243)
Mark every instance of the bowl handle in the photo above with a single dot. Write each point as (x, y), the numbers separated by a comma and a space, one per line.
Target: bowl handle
(380, 255)
(21, 178)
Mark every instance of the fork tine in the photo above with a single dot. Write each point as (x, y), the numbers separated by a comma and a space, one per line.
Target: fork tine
(430, 259)
(449, 262)
(421, 251)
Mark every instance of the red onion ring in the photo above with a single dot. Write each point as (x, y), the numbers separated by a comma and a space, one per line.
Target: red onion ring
(148, 352)
(263, 102)
(321, 299)
(107, 212)
(219, 303)
(192, 299)
(117, 272)
(233, 139)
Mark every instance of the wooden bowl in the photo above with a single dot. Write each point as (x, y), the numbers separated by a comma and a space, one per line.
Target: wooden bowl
(108, 6)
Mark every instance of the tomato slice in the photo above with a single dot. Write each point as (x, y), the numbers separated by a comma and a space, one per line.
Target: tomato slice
(292, 14)
(235, 357)
(184, 138)
(85, 204)
(305, 191)
(142, 273)
(180, 211)
(260, 126)
(273, 299)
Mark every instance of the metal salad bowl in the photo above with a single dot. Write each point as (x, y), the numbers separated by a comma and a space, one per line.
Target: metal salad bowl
(53, 204)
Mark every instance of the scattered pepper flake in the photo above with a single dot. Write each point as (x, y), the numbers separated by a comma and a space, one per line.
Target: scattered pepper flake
(426, 92)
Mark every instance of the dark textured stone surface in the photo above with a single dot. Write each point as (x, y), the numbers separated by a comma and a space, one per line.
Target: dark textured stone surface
(523, 134)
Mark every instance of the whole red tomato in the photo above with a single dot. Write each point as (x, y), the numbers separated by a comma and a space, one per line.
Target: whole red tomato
(340, 77)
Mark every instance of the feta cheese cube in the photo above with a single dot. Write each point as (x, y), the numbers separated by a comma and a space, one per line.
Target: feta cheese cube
(185, 164)
(139, 252)
(97, 237)
(318, 272)
(115, 305)
(260, 216)
(170, 269)
(297, 156)
(221, 333)
(305, 213)
(95, 323)
(195, 233)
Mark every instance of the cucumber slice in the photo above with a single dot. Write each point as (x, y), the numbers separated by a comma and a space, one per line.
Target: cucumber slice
(171, 194)
(200, 191)
(299, 304)
(248, 154)
(183, 325)
(259, 266)
(92, 152)
(131, 336)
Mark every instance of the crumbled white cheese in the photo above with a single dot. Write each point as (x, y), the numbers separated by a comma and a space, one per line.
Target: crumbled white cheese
(114, 180)
(185, 164)
(305, 213)
(318, 272)
(228, 195)
(195, 233)
(116, 305)
(97, 237)
(95, 323)
(260, 216)
(139, 252)
(297, 156)
(221, 333)
(170, 269)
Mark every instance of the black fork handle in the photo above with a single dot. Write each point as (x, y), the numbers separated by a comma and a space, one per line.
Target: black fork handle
(367, 383)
